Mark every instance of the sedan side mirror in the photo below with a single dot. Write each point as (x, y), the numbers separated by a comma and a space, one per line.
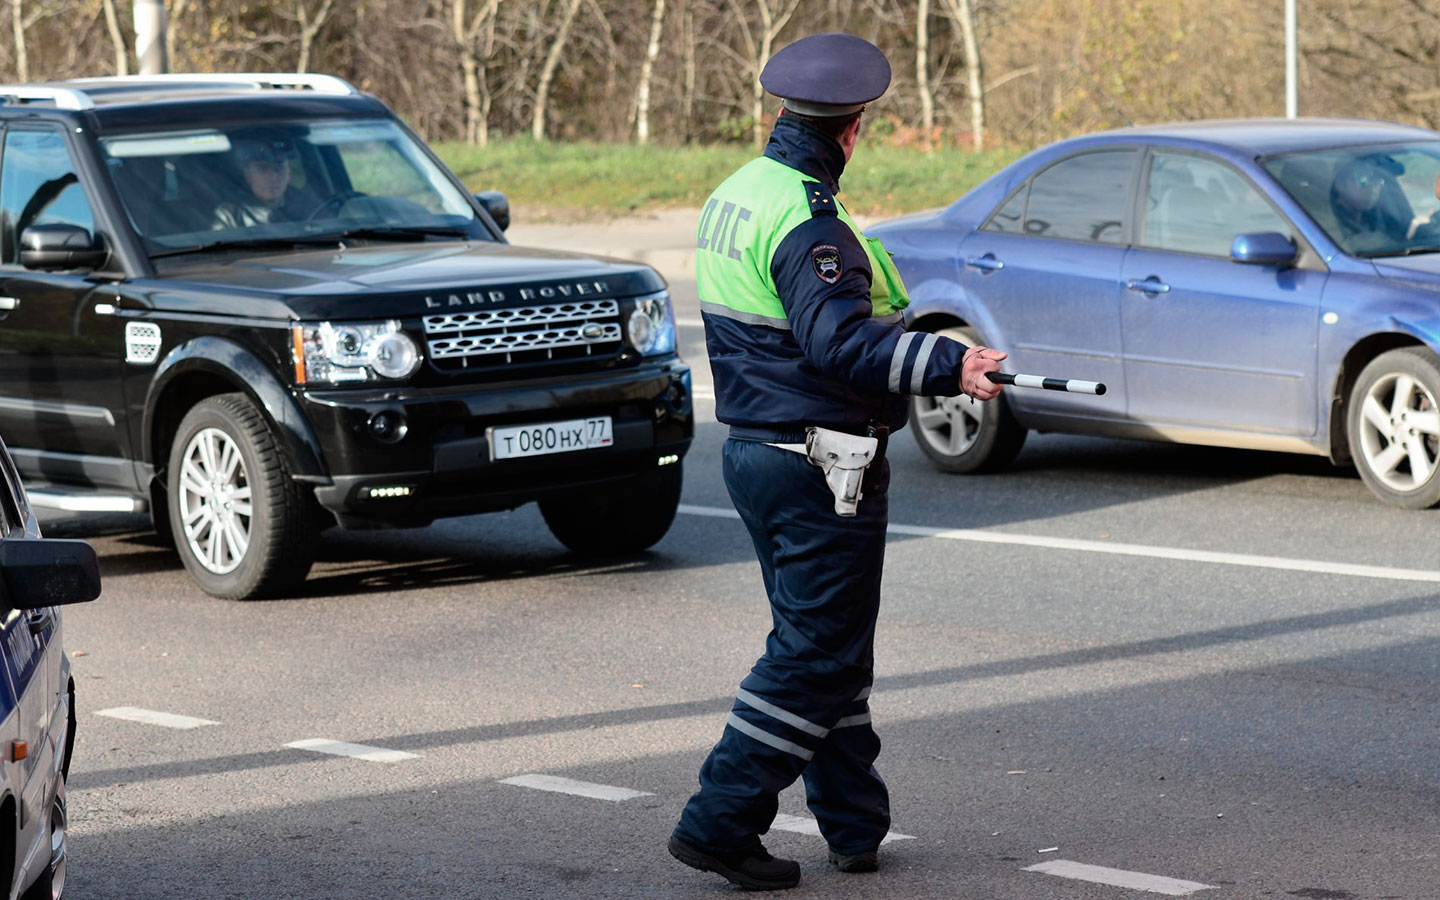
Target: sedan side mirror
(1263, 248)
(48, 572)
(56, 246)
(497, 205)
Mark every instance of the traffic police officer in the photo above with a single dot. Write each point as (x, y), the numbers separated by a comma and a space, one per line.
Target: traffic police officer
(812, 367)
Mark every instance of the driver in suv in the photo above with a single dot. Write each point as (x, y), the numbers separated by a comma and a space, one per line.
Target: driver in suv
(264, 190)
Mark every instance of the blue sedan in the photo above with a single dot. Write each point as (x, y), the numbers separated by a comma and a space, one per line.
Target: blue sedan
(1265, 284)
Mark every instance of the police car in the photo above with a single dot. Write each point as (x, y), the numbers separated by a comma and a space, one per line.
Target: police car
(37, 694)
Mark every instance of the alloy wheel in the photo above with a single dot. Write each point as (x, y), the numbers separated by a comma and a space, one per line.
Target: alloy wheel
(951, 425)
(1399, 432)
(214, 501)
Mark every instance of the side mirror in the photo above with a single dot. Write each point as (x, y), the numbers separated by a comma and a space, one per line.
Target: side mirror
(48, 572)
(497, 205)
(55, 247)
(1264, 248)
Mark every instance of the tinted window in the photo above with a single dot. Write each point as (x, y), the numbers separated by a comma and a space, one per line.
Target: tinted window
(1198, 205)
(1083, 198)
(1008, 217)
(38, 186)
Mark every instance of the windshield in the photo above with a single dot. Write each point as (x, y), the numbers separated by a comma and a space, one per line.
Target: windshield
(1373, 200)
(260, 185)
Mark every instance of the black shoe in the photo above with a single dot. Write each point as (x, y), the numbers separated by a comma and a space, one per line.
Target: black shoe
(754, 870)
(855, 862)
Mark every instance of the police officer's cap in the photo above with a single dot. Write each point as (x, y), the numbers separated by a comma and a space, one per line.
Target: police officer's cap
(831, 74)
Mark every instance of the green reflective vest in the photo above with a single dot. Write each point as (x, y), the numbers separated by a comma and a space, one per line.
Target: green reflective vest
(741, 227)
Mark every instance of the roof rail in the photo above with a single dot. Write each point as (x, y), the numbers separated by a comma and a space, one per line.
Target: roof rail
(62, 97)
(325, 84)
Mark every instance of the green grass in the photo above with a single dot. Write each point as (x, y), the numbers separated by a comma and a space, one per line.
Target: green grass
(617, 179)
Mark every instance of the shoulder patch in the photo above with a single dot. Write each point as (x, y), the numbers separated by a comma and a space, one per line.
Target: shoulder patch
(827, 262)
(822, 202)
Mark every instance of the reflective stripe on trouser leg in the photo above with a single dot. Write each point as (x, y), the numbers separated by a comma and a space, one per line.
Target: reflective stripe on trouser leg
(822, 573)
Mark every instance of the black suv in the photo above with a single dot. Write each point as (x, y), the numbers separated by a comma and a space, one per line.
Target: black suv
(258, 305)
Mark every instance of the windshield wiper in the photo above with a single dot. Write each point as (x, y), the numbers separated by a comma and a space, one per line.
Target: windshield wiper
(269, 243)
(403, 232)
(1411, 251)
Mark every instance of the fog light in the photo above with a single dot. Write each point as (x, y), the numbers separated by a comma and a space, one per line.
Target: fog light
(668, 460)
(388, 426)
(382, 493)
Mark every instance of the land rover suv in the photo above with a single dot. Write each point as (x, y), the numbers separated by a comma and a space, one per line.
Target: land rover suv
(258, 305)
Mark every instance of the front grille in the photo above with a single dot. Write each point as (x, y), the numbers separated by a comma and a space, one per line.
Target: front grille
(586, 329)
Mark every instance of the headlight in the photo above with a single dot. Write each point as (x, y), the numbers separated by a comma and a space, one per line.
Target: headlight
(353, 351)
(651, 327)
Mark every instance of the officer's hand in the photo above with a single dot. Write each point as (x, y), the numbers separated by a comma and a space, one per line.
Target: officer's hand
(976, 362)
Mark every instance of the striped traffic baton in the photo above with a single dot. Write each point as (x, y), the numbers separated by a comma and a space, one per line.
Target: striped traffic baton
(1049, 384)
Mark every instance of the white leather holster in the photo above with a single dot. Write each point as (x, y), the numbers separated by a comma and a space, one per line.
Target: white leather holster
(843, 458)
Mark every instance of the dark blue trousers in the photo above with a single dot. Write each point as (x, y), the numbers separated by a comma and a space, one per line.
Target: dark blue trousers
(802, 710)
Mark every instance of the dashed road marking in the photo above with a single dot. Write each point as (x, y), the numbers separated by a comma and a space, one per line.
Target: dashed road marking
(1179, 554)
(152, 717)
(1155, 884)
(356, 751)
(571, 786)
(807, 825)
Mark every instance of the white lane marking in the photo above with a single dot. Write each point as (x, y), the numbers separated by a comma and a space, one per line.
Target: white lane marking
(705, 393)
(690, 322)
(356, 751)
(571, 786)
(1316, 566)
(1155, 884)
(807, 825)
(151, 717)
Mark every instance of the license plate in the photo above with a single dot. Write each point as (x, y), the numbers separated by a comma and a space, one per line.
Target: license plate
(550, 437)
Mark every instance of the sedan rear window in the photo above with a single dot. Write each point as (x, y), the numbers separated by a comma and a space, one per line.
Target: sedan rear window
(1083, 198)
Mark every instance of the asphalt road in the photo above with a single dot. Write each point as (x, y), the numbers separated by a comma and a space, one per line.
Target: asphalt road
(1198, 667)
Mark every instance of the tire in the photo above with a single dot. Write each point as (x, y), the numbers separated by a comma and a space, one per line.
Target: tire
(963, 436)
(51, 882)
(616, 518)
(248, 534)
(1393, 425)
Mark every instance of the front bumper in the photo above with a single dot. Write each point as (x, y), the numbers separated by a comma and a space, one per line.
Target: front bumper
(434, 460)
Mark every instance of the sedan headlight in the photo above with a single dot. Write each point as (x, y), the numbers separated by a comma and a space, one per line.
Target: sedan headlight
(344, 352)
(651, 326)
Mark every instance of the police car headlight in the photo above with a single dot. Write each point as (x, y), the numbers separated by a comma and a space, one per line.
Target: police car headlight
(346, 352)
(651, 326)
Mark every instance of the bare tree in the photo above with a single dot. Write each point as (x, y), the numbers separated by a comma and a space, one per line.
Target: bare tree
(922, 66)
(173, 14)
(117, 37)
(774, 15)
(647, 70)
(466, 30)
(547, 73)
(964, 15)
(310, 25)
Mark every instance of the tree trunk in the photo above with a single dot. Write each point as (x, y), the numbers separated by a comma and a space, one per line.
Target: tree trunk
(309, 30)
(964, 16)
(17, 23)
(922, 67)
(687, 100)
(642, 100)
(771, 24)
(117, 38)
(172, 17)
(547, 74)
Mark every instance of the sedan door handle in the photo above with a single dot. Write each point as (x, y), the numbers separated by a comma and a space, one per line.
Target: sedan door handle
(1151, 285)
(986, 263)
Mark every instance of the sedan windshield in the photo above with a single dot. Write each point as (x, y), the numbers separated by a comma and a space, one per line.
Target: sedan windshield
(1373, 200)
(211, 189)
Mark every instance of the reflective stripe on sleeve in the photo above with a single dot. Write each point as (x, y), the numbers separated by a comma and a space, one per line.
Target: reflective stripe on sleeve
(781, 715)
(848, 721)
(922, 359)
(766, 737)
(725, 312)
(865, 693)
(897, 360)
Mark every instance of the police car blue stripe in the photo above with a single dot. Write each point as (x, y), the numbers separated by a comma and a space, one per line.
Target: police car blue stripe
(781, 715)
(897, 360)
(769, 739)
(922, 360)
